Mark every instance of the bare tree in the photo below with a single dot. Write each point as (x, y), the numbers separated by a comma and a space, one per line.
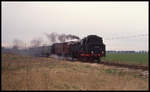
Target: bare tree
(17, 44)
(36, 42)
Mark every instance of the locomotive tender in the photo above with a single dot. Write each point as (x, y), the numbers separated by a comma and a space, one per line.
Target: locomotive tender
(90, 47)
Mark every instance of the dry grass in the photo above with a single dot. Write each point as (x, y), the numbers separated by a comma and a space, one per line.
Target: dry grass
(29, 73)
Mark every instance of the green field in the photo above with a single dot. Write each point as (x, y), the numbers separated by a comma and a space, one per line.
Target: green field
(127, 58)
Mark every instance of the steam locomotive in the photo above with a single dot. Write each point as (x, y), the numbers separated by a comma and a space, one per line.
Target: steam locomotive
(90, 47)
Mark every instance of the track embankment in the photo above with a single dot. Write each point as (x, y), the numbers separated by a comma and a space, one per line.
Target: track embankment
(131, 66)
(126, 65)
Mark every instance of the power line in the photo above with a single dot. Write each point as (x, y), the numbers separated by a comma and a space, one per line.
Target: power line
(126, 37)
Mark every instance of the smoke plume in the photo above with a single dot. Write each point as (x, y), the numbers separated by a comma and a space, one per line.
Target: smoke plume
(62, 38)
(72, 37)
(54, 37)
(36, 47)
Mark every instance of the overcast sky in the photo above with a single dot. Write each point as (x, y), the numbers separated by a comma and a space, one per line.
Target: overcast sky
(123, 25)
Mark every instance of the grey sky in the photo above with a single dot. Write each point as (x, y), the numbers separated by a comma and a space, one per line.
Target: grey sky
(28, 20)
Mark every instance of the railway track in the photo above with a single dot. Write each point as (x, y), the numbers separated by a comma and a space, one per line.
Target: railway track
(126, 65)
(122, 65)
(111, 64)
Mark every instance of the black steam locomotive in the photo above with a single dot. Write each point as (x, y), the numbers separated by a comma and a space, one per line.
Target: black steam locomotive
(90, 47)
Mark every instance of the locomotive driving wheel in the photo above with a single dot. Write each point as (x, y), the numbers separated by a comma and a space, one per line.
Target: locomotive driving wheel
(99, 60)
